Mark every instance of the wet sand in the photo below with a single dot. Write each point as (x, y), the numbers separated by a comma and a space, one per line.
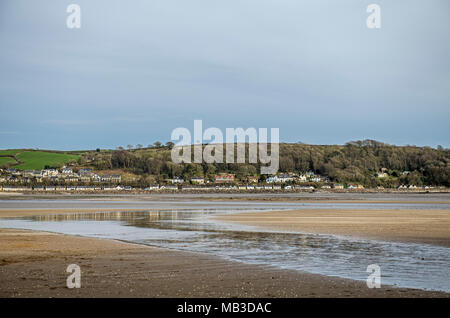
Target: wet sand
(418, 226)
(33, 264)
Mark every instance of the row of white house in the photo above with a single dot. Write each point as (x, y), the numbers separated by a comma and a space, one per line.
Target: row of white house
(64, 188)
(66, 175)
(285, 178)
(230, 178)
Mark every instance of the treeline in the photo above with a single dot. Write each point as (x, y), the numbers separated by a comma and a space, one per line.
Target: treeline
(355, 162)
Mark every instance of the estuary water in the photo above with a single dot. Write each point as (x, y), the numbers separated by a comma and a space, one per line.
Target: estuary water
(188, 226)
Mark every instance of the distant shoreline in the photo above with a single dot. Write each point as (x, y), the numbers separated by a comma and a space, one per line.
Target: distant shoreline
(22, 190)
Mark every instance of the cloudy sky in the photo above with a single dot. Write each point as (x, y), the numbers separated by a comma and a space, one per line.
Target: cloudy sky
(138, 69)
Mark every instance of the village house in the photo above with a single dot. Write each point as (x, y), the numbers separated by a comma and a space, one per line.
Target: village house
(272, 179)
(37, 174)
(224, 178)
(152, 187)
(26, 180)
(382, 175)
(338, 186)
(12, 179)
(197, 180)
(176, 180)
(96, 178)
(283, 178)
(27, 173)
(302, 178)
(106, 178)
(286, 178)
(316, 179)
(13, 172)
(116, 178)
(67, 171)
(84, 178)
(85, 172)
(50, 172)
(72, 178)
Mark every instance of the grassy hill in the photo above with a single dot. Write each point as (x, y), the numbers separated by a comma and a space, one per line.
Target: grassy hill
(6, 160)
(354, 162)
(9, 152)
(34, 160)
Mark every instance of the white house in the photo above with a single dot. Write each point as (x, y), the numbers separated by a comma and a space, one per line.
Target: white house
(50, 172)
(197, 180)
(280, 179)
(302, 178)
(316, 179)
(176, 181)
(66, 171)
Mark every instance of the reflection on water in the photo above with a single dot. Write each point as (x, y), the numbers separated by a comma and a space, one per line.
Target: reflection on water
(190, 229)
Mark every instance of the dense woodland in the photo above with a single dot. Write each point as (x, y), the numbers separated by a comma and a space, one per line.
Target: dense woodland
(355, 162)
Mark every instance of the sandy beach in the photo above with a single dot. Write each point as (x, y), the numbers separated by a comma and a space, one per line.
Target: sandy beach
(418, 226)
(33, 264)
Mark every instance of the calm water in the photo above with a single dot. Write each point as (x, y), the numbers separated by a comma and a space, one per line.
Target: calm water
(188, 226)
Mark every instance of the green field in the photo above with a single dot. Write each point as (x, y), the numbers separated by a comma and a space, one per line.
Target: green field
(8, 152)
(4, 160)
(36, 160)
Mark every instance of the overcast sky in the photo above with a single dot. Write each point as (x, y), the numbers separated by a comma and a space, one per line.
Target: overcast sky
(138, 69)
